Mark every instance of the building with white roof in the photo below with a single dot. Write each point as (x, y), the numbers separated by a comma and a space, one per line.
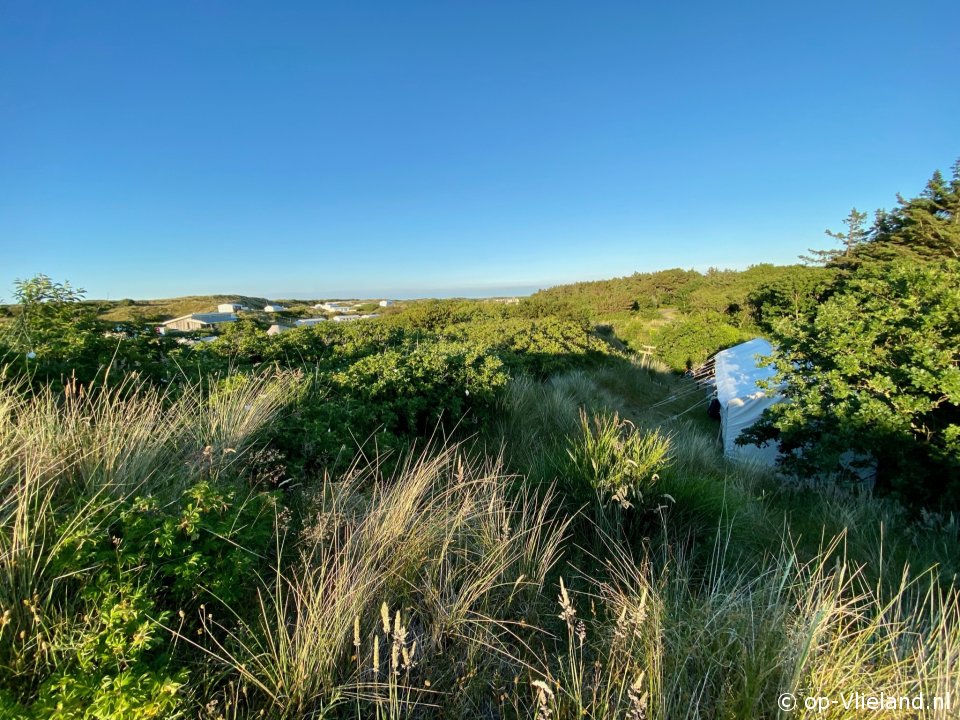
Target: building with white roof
(198, 321)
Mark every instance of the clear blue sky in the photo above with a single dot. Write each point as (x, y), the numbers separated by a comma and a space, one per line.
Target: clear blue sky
(317, 148)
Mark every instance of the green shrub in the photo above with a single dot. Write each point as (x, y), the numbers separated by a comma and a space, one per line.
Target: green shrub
(690, 341)
(874, 372)
(206, 545)
(114, 665)
(128, 570)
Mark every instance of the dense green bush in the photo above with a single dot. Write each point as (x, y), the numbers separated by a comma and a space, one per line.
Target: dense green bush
(874, 373)
(691, 340)
(130, 569)
(190, 546)
(115, 666)
(794, 296)
(726, 293)
(871, 373)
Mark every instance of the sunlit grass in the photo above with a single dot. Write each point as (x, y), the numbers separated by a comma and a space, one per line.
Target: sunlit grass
(447, 586)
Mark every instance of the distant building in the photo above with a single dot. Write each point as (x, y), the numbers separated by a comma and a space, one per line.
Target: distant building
(277, 329)
(198, 321)
(230, 307)
(273, 308)
(334, 307)
(386, 303)
(307, 322)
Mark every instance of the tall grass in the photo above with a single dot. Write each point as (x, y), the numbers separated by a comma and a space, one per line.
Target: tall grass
(440, 589)
(67, 459)
(659, 639)
(537, 418)
(700, 492)
(614, 460)
(491, 632)
(440, 541)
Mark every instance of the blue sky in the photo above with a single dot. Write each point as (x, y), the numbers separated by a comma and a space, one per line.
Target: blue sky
(153, 149)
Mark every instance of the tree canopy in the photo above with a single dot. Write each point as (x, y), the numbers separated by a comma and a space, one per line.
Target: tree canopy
(872, 372)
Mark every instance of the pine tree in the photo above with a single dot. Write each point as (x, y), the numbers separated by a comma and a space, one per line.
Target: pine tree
(855, 236)
(923, 228)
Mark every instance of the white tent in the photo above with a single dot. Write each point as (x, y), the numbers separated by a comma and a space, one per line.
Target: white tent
(736, 375)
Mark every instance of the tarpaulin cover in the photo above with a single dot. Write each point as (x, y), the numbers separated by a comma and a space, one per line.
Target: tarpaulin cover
(736, 375)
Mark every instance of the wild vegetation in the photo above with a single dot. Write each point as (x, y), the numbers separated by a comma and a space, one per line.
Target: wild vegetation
(872, 372)
(474, 509)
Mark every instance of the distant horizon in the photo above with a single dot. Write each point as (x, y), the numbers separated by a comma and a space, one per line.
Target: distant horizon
(472, 291)
(477, 292)
(411, 294)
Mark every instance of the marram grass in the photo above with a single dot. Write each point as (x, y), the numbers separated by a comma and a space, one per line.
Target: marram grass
(440, 591)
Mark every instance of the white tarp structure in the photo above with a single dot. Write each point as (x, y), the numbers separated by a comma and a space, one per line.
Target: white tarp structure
(742, 402)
